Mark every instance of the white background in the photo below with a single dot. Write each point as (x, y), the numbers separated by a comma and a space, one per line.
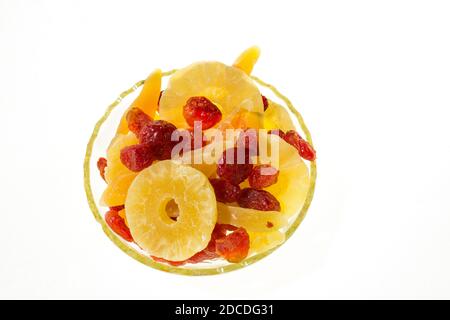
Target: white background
(371, 78)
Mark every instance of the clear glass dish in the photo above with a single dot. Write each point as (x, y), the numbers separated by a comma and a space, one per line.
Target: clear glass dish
(103, 133)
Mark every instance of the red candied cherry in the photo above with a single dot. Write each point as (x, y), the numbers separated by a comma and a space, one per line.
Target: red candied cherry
(234, 165)
(277, 132)
(101, 165)
(225, 191)
(234, 246)
(158, 135)
(137, 157)
(303, 147)
(258, 199)
(201, 109)
(263, 176)
(117, 224)
(265, 102)
(136, 119)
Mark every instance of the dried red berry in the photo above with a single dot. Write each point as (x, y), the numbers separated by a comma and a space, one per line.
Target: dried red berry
(136, 119)
(117, 224)
(201, 109)
(225, 191)
(101, 165)
(303, 147)
(265, 102)
(137, 157)
(234, 246)
(263, 176)
(249, 139)
(158, 135)
(277, 132)
(117, 208)
(234, 165)
(258, 200)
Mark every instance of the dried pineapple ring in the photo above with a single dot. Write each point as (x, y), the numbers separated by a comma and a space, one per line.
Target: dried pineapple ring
(227, 87)
(250, 219)
(152, 229)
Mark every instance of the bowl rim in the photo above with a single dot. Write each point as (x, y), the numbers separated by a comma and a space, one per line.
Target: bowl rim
(147, 260)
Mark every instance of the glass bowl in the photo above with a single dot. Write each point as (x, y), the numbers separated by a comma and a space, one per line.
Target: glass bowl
(103, 133)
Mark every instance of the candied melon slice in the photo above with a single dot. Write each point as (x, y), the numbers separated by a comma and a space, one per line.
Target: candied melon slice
(230, 89)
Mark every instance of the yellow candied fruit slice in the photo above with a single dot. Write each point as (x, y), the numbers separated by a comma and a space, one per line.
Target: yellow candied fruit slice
(277, 117)
(247, 59)
(147, 100)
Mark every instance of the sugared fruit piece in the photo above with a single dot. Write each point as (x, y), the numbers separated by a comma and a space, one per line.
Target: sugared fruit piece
(202, 110)
(136, 119)
(152, 228)
(265, 102)
(250, 219)
(234, 246)
(258, 200)
(228, 88)
(235, 165)
(225, 191)
(147, 100)
(263, 176)
(303, 147)
(247, 60)
(263, 241)
(101, 165)
(137, 157)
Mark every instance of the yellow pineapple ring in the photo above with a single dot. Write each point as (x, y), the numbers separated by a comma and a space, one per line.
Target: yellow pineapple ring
(227, 87)
(149, 222)
(250, 219)
(247, 59)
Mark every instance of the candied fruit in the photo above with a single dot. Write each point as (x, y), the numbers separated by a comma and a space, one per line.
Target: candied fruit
(137, 157)
(136, 119)
(303, 147)
(203, 110)
(158, 135)
(235, 165)
(234, 246)
(101, 165)
(258, 200)
(263, 176)
(117, 224)
(225, 191)
(265, 102)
